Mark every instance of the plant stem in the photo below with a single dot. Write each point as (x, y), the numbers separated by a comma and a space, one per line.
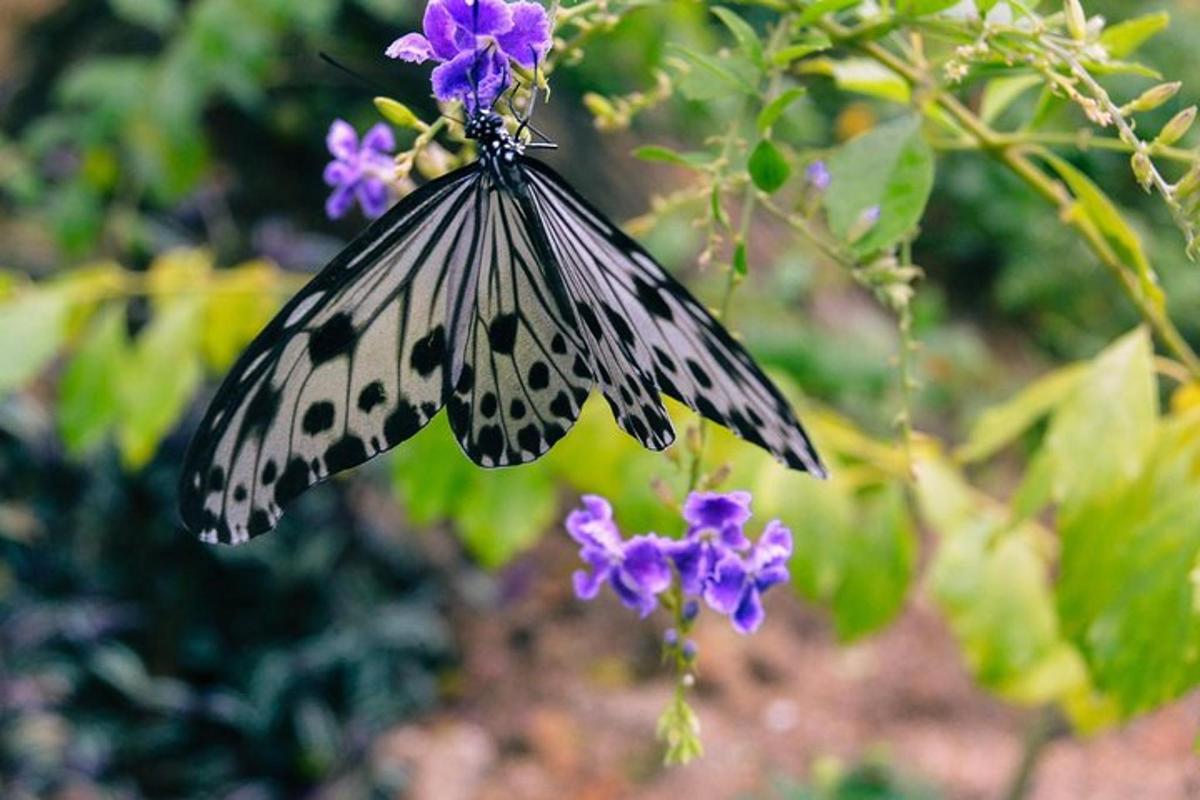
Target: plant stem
(1038, 735)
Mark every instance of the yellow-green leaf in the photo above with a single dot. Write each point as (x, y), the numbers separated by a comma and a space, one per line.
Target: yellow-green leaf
(1001, 424)
(1096, 207)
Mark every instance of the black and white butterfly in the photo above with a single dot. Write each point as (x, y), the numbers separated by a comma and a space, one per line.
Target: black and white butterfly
(497, 292)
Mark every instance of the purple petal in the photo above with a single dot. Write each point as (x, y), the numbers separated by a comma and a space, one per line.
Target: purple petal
(818, 175)
(379, 139)
(726, 586)
(339, 202)
(372, 195)
(529, 39)
(716, 510)
(339, 173)
(488, 73)
(439, 30)
(733, 537)
(628, 594)
(411, 47)
(593, 525)
(775, 545)
(749, 614)
(342, 141)
(481, 17)
(587, 584)
(766, 578)
(690, 561)
(646, 565)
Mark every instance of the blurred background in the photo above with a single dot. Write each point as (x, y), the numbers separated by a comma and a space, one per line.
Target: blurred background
(410, 630)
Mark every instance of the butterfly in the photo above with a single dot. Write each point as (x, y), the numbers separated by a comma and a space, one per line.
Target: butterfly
(496, 292)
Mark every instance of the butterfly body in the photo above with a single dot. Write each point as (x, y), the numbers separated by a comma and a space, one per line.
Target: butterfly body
(496, 292)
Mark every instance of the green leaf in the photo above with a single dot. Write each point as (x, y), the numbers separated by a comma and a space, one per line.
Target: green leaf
(999, 425)
(740, 265)
(994, 587)
(880, 559)
(1128, 567)
(159, 378)
(890, 167)
(496, 513)
(157, 15)
(33, 324)
(89, 399)
(242, 302)
(861, 75)
(1124, 38)
(1000, 93)
(768, 168)
(820, 8)
(747, 39)
(1095, 206)
(708, 78)
(665, 155)
(773, 110)
(921, 8)
(802, 46)
(1100, 435)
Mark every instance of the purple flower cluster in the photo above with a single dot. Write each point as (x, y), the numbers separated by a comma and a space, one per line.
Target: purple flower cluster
(474, 41)
(359, 170)
(714, 560)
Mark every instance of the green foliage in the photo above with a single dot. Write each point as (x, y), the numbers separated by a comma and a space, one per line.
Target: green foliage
(1001, 163)
(889, 168)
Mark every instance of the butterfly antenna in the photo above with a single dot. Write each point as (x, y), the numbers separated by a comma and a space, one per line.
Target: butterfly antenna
(333, 62)
(525, 120)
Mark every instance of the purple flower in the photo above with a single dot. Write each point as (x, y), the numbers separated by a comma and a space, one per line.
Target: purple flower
(738, 581)
(636, 569)
(474, 40)
(359, 171)
(818, 176)
(715, 523)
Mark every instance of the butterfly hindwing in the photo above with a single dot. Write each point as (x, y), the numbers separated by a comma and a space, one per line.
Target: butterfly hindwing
(522, 383)
(350, 367)
(667, 338)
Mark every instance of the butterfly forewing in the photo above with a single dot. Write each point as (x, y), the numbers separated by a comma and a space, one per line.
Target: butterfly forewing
(350, 367)
(664, 330)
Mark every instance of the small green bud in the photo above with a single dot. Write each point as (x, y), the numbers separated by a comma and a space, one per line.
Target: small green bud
(1143, 170)
(398, 114)
(1076, 19)
(1189, 184)
(599, 105)
(1177, 128)
(1152, 98)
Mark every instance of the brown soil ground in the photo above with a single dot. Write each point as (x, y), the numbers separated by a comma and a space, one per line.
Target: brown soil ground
(558, 699)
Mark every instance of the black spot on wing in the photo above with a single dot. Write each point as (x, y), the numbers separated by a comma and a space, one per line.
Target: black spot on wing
(429, 352)
(333, 338)
(402, 423)
(372, 395)
(651, 299)
(539, 375)
(318, 418)
(349, 451)
(502, 333)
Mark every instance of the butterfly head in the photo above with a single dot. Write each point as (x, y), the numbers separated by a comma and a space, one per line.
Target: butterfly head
(497, 147)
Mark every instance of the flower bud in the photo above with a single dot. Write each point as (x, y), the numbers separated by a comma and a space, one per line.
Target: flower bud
(433, 160)
(1177, 128)
(1152, 98)
(1076, 19)
(690, 650)
(1189, 184)
(398, 114)
(599, 105)
(670, 637)
(863, 225)
(691, 610)
(1143, 170)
